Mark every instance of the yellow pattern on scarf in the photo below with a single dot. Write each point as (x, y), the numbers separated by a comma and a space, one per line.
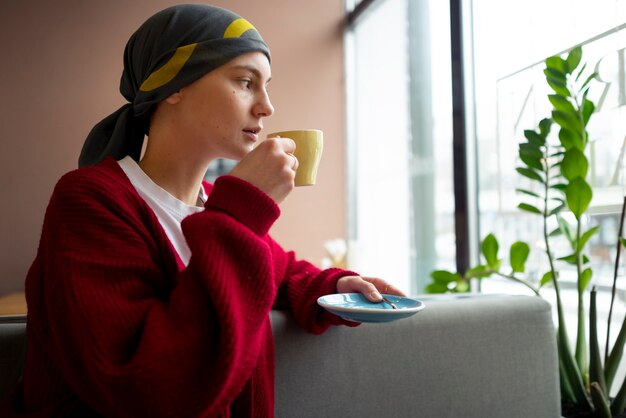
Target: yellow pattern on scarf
(170, 69)
(237, 28)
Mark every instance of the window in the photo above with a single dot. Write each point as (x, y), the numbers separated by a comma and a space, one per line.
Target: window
(400, 140)
(401, 206)
(511, 95)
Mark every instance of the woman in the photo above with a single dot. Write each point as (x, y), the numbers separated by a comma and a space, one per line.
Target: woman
(151, 289)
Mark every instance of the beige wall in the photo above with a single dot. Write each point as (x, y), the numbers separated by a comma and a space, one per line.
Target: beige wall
(61, 68)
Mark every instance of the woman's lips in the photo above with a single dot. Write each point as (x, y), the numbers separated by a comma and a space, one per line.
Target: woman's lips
(253, 134)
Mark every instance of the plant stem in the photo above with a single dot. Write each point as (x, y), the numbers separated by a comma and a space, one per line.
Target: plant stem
(596, 371)
(545, 229)
(518, 280)
(581, 339)
(571, 378)
(619, 247)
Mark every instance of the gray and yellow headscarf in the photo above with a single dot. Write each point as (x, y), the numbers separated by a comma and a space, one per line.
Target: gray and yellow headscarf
(172, 49)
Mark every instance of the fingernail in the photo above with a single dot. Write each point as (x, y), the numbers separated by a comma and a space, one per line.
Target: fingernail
(376, 295)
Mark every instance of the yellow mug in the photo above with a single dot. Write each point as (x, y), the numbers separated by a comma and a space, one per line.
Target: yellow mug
(309, 147)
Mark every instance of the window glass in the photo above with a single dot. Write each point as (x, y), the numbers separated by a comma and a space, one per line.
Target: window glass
(511, 96)
(401, 205)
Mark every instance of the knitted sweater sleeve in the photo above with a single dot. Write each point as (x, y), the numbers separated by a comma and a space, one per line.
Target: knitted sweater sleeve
(134, 337)
(301, 285)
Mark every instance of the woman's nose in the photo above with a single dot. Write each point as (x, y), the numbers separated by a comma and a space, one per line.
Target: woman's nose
(264, 107)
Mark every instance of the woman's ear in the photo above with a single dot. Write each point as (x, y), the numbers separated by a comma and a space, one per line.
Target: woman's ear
(174, 98)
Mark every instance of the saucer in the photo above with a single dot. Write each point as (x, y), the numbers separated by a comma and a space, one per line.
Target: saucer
(356, 307)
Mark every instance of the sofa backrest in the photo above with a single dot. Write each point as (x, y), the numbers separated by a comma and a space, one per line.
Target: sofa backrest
(467, 356)
(12, 350)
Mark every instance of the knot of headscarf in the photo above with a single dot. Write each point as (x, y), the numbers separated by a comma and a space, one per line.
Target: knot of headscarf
(172, 49)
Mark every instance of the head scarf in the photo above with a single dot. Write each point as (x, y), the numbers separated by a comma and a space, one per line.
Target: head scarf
(172, 49)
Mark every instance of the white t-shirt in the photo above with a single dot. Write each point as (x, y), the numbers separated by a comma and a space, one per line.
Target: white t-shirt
(169, 210)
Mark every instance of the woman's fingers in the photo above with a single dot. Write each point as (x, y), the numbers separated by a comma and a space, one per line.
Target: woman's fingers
(356, 284)
(270, 167)
(384, 287)
(369, 287)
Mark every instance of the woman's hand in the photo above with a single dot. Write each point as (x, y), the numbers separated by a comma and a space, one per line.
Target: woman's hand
(370, 287)
(271, 167)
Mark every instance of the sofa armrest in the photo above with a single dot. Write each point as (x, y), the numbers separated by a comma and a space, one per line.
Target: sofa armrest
(462, 356)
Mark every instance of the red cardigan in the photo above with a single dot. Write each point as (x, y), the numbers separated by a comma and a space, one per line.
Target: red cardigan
(117, 327)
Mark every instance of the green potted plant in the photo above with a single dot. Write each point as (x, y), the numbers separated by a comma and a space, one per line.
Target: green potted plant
(558, 170)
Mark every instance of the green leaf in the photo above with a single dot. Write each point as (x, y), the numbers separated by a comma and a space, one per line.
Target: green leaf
(569, 366)
(574, 164)
(567, 230)
(561, 103)
(571, 259)
(534, 138)
(557, 154)
(615, 356)
(580, 72)
(530, 173)
(557, 63)
(531, 149)
(588, 108)
(567, 393)
(584, 94)
(584, 279)
(544, 127)
(567, 120)
(489, 249)
(556, 209)
(436, 288)
(578, 194)
(531, 155)
(573, 59)
(555, 74)
(596, 374)
(528, 192)
(531, 162)
(529, 208)
(561, 187)
(588, 80)
(518, 255)
(585, 237)
(547, 278)
(623, 241)
(570, 139)
(559, 87)
(556, 232)
(444, 276)
(600, 401)
(619, 402)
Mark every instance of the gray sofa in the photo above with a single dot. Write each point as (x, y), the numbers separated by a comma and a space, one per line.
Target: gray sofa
(469, 357)
(482, 356)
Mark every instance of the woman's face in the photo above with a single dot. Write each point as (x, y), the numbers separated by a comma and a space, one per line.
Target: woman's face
(221, 113)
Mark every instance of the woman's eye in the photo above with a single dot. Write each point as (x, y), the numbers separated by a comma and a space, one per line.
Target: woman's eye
(245, 83)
